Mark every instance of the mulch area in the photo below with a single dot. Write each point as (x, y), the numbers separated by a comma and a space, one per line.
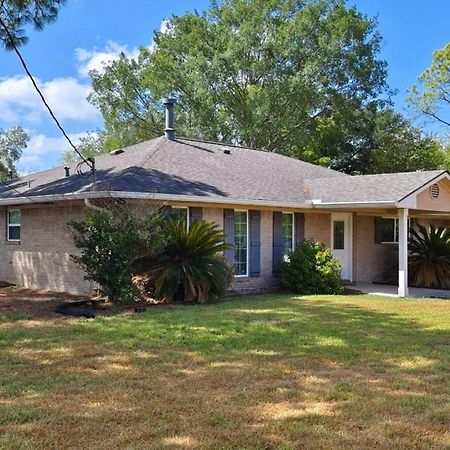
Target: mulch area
(41, 305)
(35, 304)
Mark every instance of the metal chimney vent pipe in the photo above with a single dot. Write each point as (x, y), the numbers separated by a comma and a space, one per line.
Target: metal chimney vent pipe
(67, 169)
(169, 131)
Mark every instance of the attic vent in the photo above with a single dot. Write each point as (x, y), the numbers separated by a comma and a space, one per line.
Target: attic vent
(116, 152)
(434, 191)
(227, 152)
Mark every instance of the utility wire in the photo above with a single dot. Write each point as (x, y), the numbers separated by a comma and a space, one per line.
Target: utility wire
(23, 195)
(36, 87)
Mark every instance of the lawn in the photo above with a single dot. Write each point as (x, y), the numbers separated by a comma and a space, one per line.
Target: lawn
(256, 372)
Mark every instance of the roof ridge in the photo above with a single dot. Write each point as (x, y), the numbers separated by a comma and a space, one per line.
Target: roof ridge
(269, 152)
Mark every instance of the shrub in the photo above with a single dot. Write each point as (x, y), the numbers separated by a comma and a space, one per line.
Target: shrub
(311, 269)
(429, 260)
(189, 267)
(110, 240)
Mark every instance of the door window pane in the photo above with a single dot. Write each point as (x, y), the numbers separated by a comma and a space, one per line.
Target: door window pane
(240, 243)
(338, 235)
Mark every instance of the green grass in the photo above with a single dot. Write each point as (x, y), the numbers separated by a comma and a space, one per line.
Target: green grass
(257, 372)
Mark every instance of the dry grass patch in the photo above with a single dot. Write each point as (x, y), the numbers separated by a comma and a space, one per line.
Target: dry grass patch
(263, 372)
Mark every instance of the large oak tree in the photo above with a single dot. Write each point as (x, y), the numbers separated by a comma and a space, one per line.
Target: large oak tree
(303, 78)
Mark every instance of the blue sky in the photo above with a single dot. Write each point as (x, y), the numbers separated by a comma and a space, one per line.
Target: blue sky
(88, 32)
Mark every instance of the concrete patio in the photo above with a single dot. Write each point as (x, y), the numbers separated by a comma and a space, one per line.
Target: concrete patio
(392, 291)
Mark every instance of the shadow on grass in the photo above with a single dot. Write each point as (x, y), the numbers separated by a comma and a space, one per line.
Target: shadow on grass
(255, 373)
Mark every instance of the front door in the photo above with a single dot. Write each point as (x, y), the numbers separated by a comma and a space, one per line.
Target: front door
(341, 242)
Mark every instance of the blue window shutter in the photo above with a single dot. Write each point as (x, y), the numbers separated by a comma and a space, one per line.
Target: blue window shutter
(277, 253)
(195, 214)
(255, 243)
(228, 229)
(299, 233)
(165, 210)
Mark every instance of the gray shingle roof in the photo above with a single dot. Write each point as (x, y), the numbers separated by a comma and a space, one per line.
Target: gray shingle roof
(216, 172)
(368, 188)
(182, 167)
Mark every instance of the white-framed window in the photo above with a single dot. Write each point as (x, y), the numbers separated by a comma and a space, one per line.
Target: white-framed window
(180, 213)
(389, 230)
(13, 225)
(241, 246)
(287, 232)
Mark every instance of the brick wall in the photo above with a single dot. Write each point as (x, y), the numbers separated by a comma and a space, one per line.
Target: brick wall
(371, 260)
(318, 227)
(213, 215)
(41, 260)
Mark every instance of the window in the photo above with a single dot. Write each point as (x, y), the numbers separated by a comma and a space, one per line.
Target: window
(13, 232)
(180, 213)
(386, 230)
(287, 232)
(338, 235)
(241, 243)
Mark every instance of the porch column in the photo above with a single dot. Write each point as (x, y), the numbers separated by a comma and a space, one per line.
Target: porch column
(403, 252)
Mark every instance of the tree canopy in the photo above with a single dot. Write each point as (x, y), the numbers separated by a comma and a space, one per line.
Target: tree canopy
(401, 147)
(303, 78)
(16, 14)
(12, 142)
(281, 75)
(432, 94)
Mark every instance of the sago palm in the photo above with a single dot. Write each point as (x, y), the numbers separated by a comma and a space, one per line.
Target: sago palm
(190, 265)
(429, 261)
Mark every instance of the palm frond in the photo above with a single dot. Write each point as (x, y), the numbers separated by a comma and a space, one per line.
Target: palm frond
(191, 263)
(429, 261)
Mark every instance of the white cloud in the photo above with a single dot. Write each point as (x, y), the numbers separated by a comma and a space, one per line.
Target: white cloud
(96, 59)
(43, 151)
(66, 96)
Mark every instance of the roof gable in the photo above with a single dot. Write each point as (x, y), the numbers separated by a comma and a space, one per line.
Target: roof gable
(380, 188)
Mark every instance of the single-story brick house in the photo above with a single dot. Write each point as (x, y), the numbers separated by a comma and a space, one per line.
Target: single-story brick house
(265, 202)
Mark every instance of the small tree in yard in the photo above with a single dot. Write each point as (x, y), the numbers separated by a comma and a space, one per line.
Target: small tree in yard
(311, 269)
(110, 239)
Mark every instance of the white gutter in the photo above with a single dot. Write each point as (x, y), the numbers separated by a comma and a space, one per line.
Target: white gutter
(14, 201)
(318, 204)
(309, 204)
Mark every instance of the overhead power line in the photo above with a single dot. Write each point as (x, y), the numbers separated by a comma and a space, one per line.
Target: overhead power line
(36, 87)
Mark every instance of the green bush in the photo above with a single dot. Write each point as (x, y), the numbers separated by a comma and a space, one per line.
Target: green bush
(311, 269)
(189, 268)
(110, 240)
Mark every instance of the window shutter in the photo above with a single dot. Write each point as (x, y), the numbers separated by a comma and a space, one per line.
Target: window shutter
(277, 253)
(195, 214)
(165, 210)
(378, 230)
(255, 243)
(299, 223)
(228, 229)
